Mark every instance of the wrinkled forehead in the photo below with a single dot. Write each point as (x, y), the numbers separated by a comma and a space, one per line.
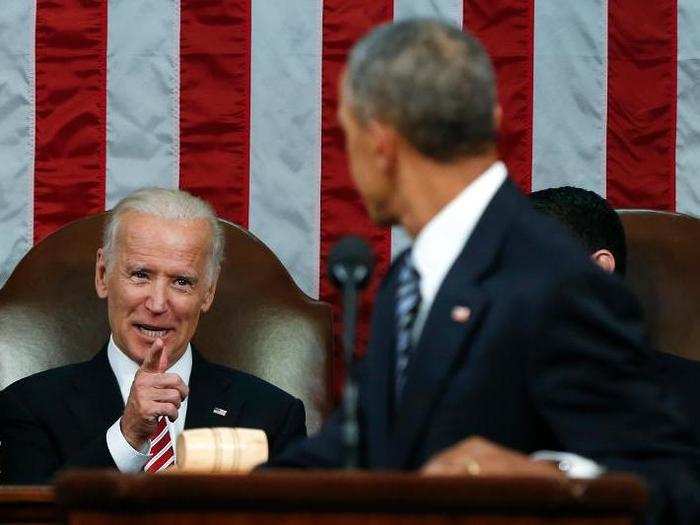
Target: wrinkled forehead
(144, 231)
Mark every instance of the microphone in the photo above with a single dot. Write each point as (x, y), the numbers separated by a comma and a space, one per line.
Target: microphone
(350, 265)
(350, 262)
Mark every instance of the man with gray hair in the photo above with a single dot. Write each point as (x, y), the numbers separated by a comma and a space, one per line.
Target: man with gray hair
(494, 336)
(157, 269)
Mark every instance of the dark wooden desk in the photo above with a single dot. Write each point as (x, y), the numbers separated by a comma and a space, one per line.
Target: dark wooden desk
(27, 504)
(344, 498)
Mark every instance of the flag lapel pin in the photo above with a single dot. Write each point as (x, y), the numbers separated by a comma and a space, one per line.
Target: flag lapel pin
(461, 314)
(220, 411)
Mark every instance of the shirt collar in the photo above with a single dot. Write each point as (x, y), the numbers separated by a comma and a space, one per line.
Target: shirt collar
(125, 368)
(441, 240)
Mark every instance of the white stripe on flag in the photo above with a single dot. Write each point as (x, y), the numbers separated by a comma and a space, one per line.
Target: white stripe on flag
(450, 10)
(143, 47)
(570, 95)
(688, 110)
(17, 28)
(285, 135)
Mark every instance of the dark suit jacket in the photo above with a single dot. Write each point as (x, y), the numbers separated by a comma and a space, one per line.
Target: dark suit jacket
(683, 378)
(59, 418)
(554, 356)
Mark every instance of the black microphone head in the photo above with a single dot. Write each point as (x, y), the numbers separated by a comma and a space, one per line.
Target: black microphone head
(350, 262)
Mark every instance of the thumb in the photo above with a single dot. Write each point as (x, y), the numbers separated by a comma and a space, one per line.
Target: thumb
(156, 360)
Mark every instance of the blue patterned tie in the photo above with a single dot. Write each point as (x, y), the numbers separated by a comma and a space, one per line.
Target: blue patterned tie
(407, 302)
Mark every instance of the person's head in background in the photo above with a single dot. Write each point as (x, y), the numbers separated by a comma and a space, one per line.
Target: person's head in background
(591, 219)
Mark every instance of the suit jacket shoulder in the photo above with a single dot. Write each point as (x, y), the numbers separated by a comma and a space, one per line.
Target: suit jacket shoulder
(58, 418)
(54, 383)
(245, 384)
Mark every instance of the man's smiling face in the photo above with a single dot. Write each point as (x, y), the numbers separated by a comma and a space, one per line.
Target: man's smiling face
(157, 284)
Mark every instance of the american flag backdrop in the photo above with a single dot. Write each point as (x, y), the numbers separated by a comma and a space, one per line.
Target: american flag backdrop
(235, 100)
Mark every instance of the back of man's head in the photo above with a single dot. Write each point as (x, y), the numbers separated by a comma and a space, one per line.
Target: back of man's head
(589, 217)
(166, 204)
(430, 81)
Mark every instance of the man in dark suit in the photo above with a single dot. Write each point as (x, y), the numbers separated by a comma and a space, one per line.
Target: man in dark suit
(496, 323)
(596, 224)
(158, 269)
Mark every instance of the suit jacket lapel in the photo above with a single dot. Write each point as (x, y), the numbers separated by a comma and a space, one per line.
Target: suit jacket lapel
(377, 402)
(97, 403)
(208, 390)
(442, 344)
(443, 340)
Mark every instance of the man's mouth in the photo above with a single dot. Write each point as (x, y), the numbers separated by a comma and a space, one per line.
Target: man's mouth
(152, 332)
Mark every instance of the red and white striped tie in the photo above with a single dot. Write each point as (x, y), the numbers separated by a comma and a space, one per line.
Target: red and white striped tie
(162, 452)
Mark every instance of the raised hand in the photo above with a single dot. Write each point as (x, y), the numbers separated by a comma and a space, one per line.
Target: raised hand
(153, 394)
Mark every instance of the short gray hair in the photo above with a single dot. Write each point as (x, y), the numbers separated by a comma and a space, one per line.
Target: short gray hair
(167, 204)
(430, 81)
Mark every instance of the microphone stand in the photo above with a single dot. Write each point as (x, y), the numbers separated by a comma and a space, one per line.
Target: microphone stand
(350, 428)
(349, 268)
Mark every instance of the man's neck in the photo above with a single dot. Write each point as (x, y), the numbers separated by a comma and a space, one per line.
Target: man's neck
(428, 186)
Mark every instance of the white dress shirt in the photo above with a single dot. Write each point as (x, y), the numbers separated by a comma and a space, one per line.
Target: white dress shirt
(125, 456)
(442, 239)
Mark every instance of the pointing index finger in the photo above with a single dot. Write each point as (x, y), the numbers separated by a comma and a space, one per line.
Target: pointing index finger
(156, 360)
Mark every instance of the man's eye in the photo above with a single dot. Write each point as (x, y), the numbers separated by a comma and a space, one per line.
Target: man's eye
(139, 274)
(181, 281)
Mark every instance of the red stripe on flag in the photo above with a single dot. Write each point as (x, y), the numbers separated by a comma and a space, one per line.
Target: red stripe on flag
(641, 154)
(71, 56)
(215, 104)
(342, 210)
(506, 28)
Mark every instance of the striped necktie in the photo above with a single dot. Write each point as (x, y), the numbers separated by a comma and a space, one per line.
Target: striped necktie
(161, 452)
(407, 303)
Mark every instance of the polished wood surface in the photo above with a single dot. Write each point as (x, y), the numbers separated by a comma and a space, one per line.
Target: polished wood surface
(344, 498)
(28, 504)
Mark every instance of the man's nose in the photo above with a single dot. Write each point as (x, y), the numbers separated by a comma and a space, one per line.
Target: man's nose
(157, 300)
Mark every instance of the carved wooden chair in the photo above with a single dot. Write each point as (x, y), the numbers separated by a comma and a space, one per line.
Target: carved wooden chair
(662, 268)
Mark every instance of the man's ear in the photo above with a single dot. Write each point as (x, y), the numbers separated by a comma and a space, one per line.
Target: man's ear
(384, 143)
(101, 275)
(605, 259)
(209, 295)
(497, 118)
